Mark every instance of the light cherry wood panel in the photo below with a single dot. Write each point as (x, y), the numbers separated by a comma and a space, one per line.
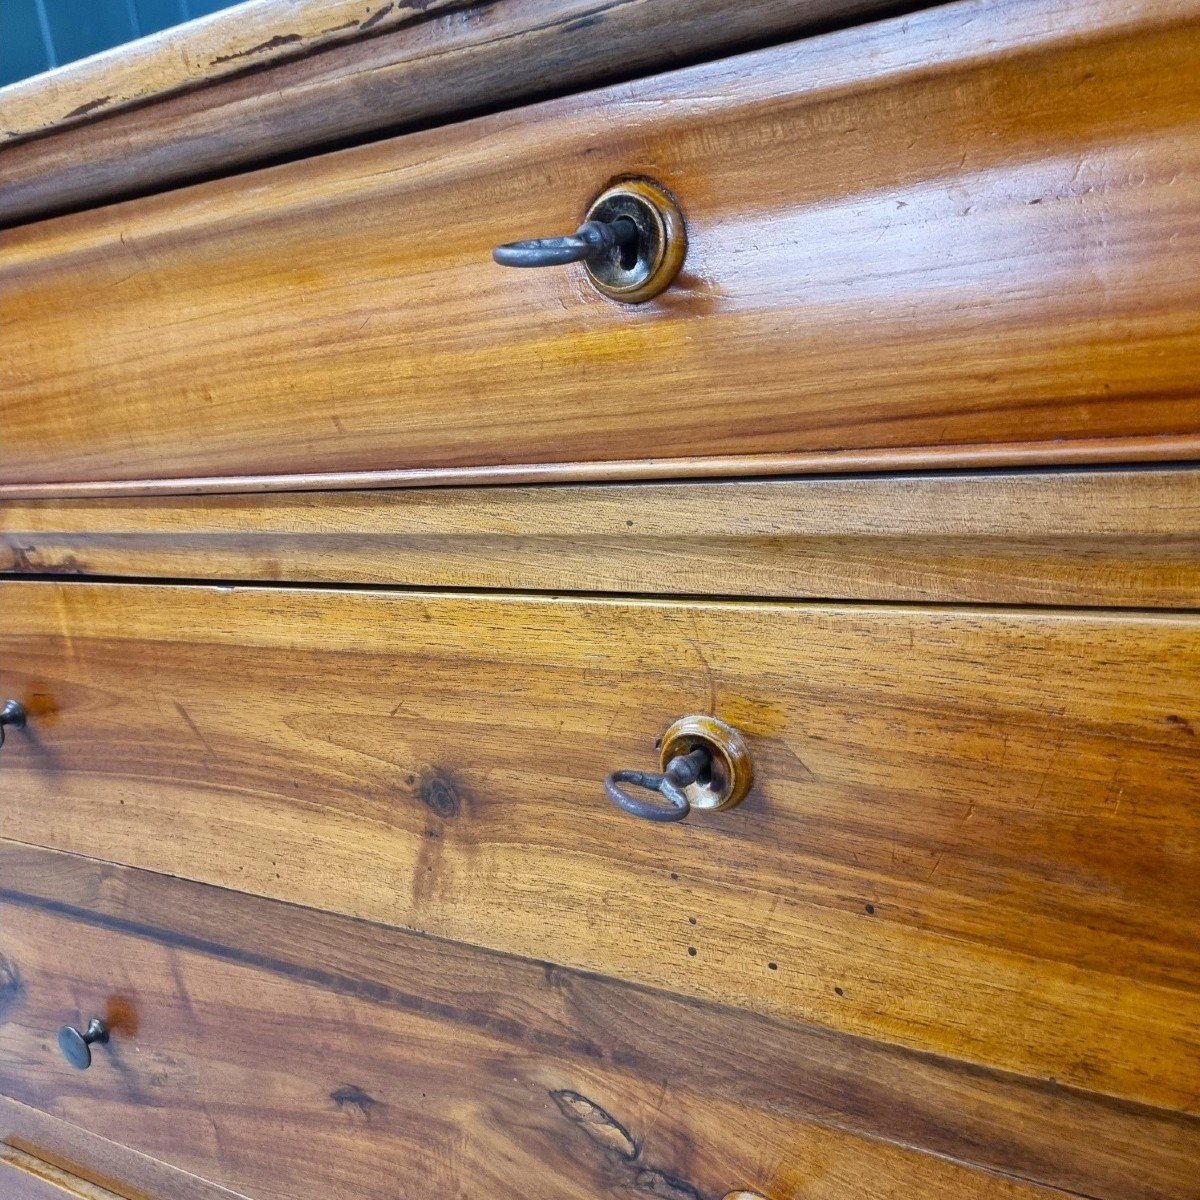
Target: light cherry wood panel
(222, 93)
(362, 1055)
(972, 226)
(1099, 538)
(965, 823)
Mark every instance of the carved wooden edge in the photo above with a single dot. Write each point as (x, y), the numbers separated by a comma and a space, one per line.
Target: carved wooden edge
(1088, 537)
(1037, 1131)
(58, 1148)
(279, 77)
(252, 35)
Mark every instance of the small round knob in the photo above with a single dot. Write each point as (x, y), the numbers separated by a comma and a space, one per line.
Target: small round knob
(11, 714)
(76, 1047)
(632, 242)
(705, 764)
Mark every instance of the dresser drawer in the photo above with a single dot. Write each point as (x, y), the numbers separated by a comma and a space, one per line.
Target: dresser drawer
(991, 259)
(297, 1055)
(962, 821)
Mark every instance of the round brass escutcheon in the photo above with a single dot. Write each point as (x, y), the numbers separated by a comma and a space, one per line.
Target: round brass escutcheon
(729, 773)
(745, 1196)
(637, 268)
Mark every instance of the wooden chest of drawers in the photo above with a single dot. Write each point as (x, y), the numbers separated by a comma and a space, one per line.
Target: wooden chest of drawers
(350, 576)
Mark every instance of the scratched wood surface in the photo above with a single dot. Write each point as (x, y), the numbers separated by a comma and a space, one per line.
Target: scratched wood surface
(966, 226)
(965, 822)
(1086, 537)
(281, 78)
(76, 1152)
(361, 1053)
(197, 52)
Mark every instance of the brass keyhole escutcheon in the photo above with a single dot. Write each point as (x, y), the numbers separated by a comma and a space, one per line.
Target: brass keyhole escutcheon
(632, 242)
(730, 772)
(705, 765)
(646, 263)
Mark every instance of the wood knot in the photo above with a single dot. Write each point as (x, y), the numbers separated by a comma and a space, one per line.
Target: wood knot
(440, 795)
(605, 1131)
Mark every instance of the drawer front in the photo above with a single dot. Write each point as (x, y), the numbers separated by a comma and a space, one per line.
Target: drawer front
(991, 259)
(1103, 538)
(963, 822)
(295, 1055)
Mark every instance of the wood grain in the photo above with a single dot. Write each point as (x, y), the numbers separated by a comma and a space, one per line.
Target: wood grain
(75, 1151)
(369, 1040)
(1088, 537)
(396, 71)
(224, 43)
(966, 822)
(967, 226)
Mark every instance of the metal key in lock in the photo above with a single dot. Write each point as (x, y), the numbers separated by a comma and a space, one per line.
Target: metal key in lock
(632, 242)
(705, 765)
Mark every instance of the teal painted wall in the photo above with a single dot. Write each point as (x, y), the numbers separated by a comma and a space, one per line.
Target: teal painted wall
(36, 35)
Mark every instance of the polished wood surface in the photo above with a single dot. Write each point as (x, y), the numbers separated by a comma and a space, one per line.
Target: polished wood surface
(964, 822)
(23, 1177)
(1087, 537)
(965, 226)
(148, 116)
(378, 1049)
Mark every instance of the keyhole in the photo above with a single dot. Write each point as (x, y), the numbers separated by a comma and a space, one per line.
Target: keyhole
(628, 242)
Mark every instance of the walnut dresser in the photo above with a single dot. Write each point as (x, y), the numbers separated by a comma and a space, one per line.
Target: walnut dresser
(601, 598)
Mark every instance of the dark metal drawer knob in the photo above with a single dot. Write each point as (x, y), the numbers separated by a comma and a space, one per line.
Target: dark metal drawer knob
(76, 1047)
(705, 765)
(11, 714)
(632, 242)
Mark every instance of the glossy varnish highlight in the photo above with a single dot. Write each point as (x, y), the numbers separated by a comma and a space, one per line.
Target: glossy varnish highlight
(969, 226)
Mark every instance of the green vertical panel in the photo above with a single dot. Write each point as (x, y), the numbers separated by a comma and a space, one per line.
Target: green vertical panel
(83, 27)
(22, 49)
